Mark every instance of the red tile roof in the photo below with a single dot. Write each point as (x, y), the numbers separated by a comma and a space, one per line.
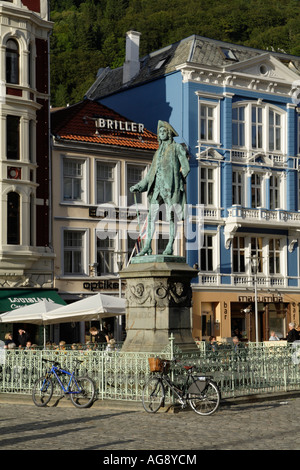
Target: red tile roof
(78, 123)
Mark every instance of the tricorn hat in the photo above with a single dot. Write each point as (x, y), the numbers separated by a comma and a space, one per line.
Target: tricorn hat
(168, 126)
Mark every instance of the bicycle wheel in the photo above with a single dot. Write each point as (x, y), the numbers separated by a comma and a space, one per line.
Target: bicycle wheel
(83, 392)
(206, 402)
(153, 395)
(42, 391)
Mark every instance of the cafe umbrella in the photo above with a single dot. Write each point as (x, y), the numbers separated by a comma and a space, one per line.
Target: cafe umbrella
(35, 313)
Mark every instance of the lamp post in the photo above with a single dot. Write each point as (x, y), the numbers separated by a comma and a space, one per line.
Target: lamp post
(120, 263)
(255, 264)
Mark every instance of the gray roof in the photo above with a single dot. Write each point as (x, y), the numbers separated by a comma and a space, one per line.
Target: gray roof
(194, 49)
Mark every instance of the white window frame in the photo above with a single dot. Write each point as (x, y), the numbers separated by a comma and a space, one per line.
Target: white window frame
(116, 189)
(273, 189)
(214, 181)
(212, 249)
(257, 187)
(215, 120)
(84, 192)
(84, 251)
(265, 108)
(111, 250)
(298, 146)
(238, 187)
(238, 249)
(144, 169)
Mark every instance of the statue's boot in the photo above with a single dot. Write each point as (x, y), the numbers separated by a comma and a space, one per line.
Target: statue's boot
(169, 248)
(147, 250)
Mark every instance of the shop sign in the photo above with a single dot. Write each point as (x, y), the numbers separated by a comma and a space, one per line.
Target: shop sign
(261, 298)
(102, 285)
(113, 125)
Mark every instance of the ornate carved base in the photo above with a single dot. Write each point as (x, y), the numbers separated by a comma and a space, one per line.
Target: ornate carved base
(159, 294)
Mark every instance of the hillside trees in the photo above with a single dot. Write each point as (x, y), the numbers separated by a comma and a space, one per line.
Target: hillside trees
(90, 34)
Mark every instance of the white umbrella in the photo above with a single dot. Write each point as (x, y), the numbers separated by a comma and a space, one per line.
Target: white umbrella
(34, 313)
(93, 307)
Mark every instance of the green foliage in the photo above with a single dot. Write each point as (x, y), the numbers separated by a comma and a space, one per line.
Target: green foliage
(89, 34)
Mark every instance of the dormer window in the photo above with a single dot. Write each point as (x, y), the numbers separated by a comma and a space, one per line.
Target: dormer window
(228, 54)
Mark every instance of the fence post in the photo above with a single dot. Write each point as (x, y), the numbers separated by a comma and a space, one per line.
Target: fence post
(171, 339)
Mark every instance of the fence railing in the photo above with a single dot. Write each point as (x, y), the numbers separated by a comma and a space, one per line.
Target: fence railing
(255, 368)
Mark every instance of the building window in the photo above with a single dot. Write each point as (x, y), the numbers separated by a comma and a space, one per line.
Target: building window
(298, 135)
(256, 182)
(274, 192)
(238, 255)
(206, 186)
(74, 252)
(105, 182)
(105, 255)
(237, 187)
(12, 61)
(13, 137)
(274, 256)
(206, 254)
(238, 126)
(207, 123)
(72, 179)
(257, 128)
(134, 175)
(274, 131)
(257, 251)
(13, 218)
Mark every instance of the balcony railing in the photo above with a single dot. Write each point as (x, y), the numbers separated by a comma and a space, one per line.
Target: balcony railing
(261, 215)
(244, 281)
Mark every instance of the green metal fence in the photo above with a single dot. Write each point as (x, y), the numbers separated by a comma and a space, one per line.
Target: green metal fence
(255, 368)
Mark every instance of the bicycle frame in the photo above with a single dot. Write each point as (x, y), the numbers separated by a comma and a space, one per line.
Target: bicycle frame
(54, 370)
(182, 392)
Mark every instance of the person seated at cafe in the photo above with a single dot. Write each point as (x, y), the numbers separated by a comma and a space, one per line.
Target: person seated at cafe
(8, 340)
(98, 335)
(273, 336)
(293, 334)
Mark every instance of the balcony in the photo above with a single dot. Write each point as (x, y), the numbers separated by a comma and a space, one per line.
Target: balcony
(244, 281)
(263, 217)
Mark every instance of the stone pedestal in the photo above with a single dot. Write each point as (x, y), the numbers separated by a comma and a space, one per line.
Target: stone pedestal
(159, 295)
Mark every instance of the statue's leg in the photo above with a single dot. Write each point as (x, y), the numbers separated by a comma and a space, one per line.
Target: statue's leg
(169, 247)
(153, 209)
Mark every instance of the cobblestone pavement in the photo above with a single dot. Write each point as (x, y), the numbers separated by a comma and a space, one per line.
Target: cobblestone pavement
(268, 425)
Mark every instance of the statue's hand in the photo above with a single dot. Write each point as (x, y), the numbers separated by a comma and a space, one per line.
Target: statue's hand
(135, 189)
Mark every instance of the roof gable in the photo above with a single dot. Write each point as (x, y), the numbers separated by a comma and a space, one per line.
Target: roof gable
(265, 66)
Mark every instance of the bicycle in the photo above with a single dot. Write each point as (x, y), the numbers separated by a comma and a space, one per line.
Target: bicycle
(199, 392)
(80, 389)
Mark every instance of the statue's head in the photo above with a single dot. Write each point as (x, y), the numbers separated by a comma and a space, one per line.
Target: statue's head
(165, 132)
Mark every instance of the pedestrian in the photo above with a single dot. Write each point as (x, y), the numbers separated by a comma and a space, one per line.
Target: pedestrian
(273, 336)
(23, 337)
(293, 334)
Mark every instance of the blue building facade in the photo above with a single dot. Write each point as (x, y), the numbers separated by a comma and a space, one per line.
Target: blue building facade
(237, 111)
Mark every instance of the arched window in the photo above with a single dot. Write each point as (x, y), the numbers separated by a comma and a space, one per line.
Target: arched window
(13, 218)
(12, 61)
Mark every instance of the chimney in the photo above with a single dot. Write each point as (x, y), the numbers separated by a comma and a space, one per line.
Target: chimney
(131, 65)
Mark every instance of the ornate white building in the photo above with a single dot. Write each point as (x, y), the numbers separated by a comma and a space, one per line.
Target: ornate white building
(26, 256)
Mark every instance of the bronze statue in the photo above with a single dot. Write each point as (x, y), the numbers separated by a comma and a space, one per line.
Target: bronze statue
(164, 184)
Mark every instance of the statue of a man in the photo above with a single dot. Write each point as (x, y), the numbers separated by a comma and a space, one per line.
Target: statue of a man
(164, 184)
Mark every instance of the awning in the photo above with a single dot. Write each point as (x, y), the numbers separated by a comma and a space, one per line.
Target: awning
(11, 299)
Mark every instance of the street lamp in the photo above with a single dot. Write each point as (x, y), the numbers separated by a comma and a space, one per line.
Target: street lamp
(120, 264)
(255, 265)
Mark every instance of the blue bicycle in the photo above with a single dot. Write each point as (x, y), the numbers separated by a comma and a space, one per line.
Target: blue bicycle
(80, 389)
